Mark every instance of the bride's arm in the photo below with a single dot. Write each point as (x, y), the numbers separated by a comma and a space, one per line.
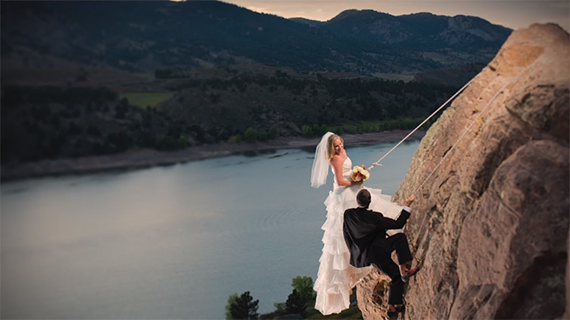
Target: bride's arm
(336, 164)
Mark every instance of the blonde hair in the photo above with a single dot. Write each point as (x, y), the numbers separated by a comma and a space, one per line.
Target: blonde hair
(330, 145)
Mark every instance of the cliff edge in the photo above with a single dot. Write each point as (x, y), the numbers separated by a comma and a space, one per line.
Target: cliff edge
(490, 226)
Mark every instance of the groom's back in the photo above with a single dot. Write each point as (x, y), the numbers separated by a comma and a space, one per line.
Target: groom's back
(365, 237)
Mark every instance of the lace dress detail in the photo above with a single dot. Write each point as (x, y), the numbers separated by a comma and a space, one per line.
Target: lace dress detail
(336, 277)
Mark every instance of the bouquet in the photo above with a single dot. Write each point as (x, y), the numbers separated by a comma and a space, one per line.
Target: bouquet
(359, 173)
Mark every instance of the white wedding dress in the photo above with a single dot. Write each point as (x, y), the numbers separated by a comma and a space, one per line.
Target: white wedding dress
(336, 277)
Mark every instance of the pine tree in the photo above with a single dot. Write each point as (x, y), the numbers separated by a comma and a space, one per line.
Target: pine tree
(242, 307)
(295, 304)
(231, 301)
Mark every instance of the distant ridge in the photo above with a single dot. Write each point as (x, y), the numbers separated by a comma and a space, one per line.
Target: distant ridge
(421, 31)
(312, 23)
(359, 14)
(145, 36)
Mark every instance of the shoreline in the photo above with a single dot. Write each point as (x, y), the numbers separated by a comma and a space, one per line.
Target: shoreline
(144, 158)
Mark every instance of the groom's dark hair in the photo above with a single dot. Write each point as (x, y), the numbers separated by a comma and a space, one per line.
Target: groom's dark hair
(363, 198)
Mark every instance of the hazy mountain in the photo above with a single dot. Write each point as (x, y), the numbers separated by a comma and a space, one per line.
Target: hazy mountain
(421, 31)
(144, 36)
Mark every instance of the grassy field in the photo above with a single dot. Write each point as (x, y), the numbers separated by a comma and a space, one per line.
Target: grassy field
(144, 99)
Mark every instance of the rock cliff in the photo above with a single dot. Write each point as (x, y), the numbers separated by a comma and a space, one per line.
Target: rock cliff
(490, 225)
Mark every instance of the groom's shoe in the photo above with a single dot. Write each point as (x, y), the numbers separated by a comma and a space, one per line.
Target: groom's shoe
(406, 277)
(394, 314)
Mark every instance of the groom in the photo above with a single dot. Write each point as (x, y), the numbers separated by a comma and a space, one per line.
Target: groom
(365, 235)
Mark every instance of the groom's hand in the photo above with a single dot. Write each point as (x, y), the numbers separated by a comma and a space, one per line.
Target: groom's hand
(410, 200)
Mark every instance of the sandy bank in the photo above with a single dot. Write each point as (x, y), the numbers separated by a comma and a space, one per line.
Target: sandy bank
(141, 158)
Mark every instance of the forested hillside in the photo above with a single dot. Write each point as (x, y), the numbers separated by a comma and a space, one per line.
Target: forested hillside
(147, 35)
(281, 105)
(52, 122)
(87, 78)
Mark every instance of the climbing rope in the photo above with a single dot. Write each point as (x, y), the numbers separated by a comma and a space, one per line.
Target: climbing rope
(377, 163)
(416, 242)
(471, 125)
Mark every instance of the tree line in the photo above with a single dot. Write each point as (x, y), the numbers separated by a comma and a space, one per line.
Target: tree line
(300, 303)
(52, 122)
(283, 104)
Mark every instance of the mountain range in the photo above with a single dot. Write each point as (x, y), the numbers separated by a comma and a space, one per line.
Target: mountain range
(142, 36)
(82, 78)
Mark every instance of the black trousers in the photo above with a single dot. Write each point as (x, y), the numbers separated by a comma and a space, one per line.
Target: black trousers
(398, 242)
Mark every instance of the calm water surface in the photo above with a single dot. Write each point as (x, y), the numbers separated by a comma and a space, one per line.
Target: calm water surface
(169, 242)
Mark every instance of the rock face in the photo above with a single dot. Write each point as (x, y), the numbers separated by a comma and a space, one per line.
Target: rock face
(490, 225)
(372, 295)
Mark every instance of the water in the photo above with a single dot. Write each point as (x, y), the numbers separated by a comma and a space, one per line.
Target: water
(169, 242)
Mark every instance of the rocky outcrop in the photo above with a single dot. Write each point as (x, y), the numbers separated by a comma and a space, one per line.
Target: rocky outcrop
(490, 225)
(372, 295)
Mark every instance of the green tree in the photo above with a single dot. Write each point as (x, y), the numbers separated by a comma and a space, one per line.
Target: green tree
(272, 133)
(183, 142)
(304, 285)
(167, 143)
(307, 131)
(93, 131)
(323, 129)
(235, 138)
(279, 307)
(295, 304)
(242, 307)
(250, 135)
(231, 301)
(262, 135)
(121, 141)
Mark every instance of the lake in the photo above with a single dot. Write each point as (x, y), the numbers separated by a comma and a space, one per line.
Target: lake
(170, 242)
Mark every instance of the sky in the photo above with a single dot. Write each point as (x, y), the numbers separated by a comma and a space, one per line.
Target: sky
(513, 14)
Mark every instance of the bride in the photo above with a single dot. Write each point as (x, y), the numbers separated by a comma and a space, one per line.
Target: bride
(336, 276)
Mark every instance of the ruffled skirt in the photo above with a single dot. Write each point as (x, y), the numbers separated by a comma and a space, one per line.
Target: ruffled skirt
(336, 277)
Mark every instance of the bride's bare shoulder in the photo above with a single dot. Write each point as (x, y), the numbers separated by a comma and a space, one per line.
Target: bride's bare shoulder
(337, 160)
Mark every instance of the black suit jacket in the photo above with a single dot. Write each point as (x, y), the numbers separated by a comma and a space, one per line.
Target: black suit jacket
(365, 235)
